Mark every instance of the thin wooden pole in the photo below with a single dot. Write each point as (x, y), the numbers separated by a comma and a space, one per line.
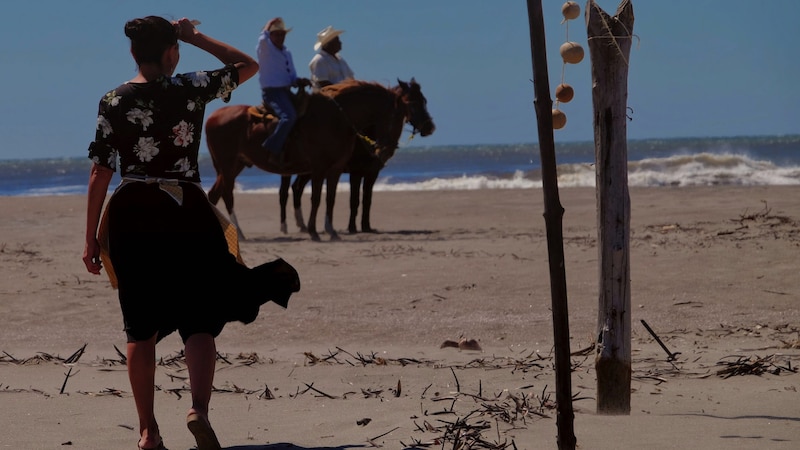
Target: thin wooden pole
(553, 213)
(609, 47)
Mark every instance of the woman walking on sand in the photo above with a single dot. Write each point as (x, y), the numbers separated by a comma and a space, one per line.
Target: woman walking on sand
(167, 252)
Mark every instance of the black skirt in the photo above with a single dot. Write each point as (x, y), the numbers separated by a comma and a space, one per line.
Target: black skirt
(171, 261)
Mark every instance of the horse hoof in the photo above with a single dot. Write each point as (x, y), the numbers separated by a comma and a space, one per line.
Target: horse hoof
(335, 237)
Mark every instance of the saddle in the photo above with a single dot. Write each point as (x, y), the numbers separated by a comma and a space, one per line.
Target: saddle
(261, 113)
(265, 114)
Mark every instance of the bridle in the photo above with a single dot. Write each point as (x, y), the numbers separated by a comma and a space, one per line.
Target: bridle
(410, 116)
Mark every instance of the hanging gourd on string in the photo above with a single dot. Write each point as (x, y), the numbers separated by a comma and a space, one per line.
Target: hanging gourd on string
(571, 53)
(564, 93)
(570, 10)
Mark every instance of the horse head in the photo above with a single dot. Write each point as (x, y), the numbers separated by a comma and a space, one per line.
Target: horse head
(416, 106)
(409, 105)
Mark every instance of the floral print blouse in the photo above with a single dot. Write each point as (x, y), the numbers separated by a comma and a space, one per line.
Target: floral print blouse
(155, 128)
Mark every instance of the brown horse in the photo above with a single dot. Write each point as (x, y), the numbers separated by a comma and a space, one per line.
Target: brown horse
(362, 167)
(321, 142)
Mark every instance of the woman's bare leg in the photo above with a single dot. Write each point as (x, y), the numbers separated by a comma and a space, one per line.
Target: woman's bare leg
(142, 372)
(201, 358)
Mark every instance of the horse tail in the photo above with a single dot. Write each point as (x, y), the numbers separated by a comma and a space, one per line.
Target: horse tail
(224, 130)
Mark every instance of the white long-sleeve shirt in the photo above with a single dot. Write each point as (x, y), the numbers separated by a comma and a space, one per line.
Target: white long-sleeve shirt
(327, 67)
(275, 65)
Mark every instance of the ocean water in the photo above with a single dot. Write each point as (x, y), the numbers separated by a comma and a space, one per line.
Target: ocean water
(762, 160)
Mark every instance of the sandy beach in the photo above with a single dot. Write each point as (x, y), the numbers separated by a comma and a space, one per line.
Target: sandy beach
(356, 360)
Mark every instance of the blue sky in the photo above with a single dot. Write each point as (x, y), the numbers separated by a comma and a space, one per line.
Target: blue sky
(698, 68)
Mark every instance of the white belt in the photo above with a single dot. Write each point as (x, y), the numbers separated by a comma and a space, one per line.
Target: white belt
(169, 185)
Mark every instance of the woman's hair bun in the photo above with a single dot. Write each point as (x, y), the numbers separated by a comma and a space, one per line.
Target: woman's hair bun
(150, 36)
(133, 29)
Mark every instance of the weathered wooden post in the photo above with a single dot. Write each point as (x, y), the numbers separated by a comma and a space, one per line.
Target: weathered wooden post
(553, 212)
(609, 40)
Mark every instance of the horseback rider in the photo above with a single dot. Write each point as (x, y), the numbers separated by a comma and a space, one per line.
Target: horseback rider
(277, 76)
(328, 67)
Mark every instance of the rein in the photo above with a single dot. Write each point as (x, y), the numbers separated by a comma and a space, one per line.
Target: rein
(371, 142)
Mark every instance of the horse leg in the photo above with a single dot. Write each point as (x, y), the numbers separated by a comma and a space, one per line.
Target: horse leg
(355, 195)
(316, 195)
(330, 200)
(283, 197)
(369, 182)
(298, 186)
(215, 192)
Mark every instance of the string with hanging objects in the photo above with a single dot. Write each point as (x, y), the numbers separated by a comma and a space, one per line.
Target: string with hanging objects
(571, 53)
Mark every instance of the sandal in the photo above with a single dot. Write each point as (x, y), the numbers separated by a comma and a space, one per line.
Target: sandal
(160, 446)
(202, 431)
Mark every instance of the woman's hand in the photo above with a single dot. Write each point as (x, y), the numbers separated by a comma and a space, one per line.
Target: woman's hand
(186, 29)
(99, 178)
(91, 256)
(226, 53)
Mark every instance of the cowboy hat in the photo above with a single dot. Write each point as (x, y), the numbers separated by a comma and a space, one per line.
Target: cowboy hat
(276, 24)
(325, 36)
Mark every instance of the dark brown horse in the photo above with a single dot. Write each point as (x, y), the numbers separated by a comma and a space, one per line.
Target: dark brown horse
(321, 142)
(363, 167)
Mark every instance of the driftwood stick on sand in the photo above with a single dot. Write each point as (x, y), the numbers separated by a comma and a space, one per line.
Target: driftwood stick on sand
(312, 388)
(752, 366)
(425, 390)
(122, 356)
(223, 358)
(370, 440)
(670, 356)
(267, 394)
(66, 377)
(458, 386)
(73, 358)
(14, 360)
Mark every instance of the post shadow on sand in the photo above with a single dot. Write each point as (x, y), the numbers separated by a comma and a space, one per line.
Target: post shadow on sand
(290, 446)
(741, 417)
